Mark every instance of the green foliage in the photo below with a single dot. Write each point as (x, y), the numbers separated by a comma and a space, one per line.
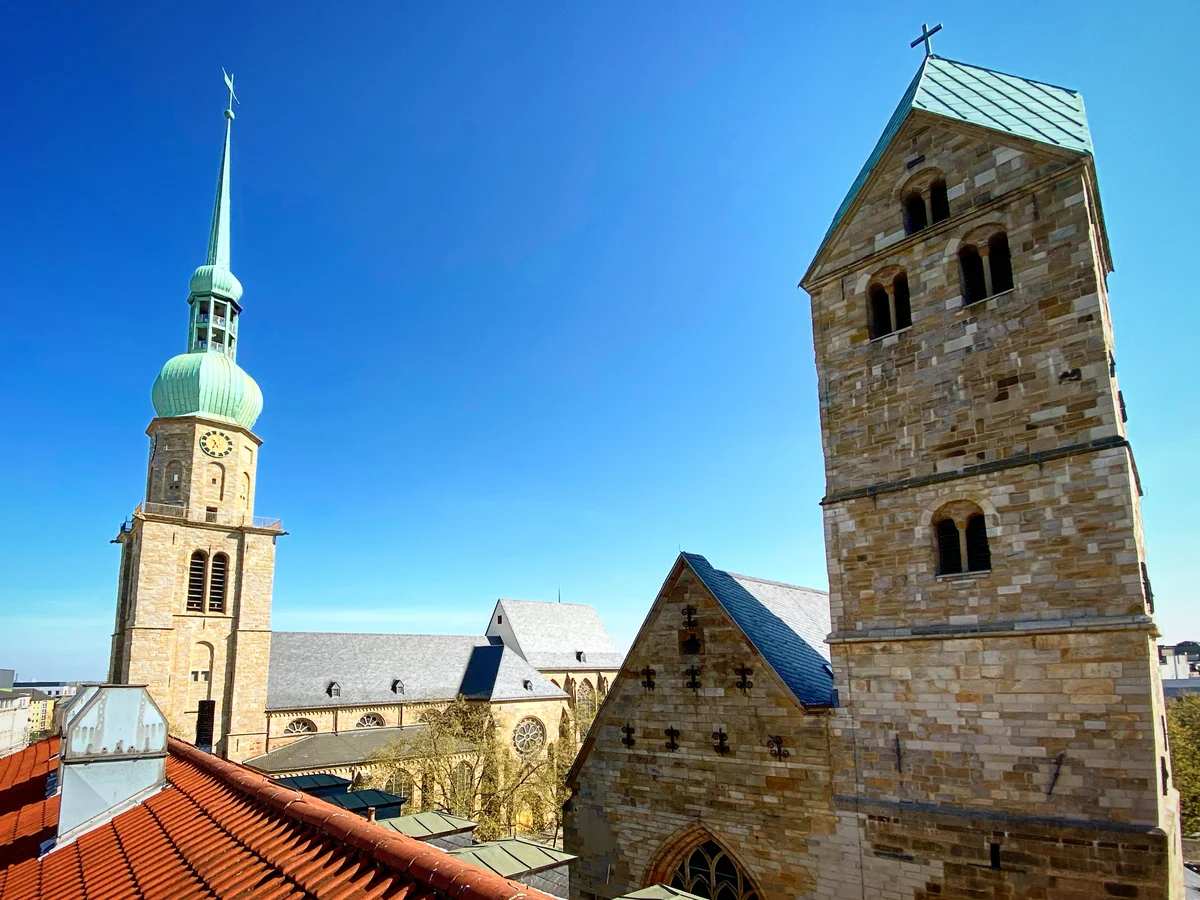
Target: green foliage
(1183, 726)
(465, 768)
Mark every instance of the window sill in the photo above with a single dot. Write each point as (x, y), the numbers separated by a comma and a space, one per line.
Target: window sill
(896, 333)
(964, 576)
(978, 303)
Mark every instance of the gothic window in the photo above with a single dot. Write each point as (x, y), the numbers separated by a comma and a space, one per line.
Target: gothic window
(400, 784)
(914, 213)
(195, 594)
(974, 283)
(962, 539)
(938, 201)
(462, 783)
(300, 726)
(586, 700)
(216, 583)
(709, 872)
(370, 720)
(529, 735)
(890, 310)
(1000, 263)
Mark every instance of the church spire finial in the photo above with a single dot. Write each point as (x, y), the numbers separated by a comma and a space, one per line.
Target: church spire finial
(926, 34)
(218, 238)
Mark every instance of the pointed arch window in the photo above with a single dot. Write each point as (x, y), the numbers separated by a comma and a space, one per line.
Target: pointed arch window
(196, 571)
(217, 579)
(400, 784)
(710, 872)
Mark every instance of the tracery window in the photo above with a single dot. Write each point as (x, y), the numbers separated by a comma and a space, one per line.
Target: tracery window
(300, 726)
(462, 783)
(585, 701)
(709, 872)
(400, 784)
(370, 720)
(529, 735)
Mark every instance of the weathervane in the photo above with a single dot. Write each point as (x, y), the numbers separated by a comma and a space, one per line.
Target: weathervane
(233, 97)
(926, 34)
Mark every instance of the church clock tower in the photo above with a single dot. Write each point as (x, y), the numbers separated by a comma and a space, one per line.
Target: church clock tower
(194, 590)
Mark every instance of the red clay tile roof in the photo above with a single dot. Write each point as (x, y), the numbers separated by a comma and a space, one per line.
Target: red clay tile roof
(219, 830)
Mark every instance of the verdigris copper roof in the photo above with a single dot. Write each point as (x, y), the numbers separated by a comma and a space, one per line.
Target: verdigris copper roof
(560, 636)
(786, 623)
(329, 750)
(1007, 103)
(429, 824)
(660, 892)
(512, 857)
(393, 668)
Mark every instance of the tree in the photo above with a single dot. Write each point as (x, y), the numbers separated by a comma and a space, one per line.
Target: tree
(464, 768)
(1183, 726)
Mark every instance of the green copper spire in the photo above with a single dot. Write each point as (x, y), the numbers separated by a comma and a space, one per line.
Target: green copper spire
(205, 381)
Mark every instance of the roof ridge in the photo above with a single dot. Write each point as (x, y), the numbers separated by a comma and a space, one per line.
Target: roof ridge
(543, 602)
(786, 584)
(384, 634)
(434, 867)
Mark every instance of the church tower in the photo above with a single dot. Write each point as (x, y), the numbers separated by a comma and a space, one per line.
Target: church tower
(194, 591)
(1001, 728)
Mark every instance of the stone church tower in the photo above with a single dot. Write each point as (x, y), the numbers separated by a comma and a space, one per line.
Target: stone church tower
(1001, 729)
(194, 590)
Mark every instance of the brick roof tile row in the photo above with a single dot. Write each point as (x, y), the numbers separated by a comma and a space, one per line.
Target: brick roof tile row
(218, 831)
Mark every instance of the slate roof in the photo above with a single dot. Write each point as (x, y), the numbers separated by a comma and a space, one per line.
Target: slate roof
(430, 824)
(218, 831)
(550, 635)
(787, 624)
(1008, 103)
(365, 666)
(328, 750)
(512, 857)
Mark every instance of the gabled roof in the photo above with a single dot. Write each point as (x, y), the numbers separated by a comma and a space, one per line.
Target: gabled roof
(512, 857)
(365, 667)
(1007, 103)
(786, 623)
(329, 751)
(429, 824)
(551, 635)
(216, 831)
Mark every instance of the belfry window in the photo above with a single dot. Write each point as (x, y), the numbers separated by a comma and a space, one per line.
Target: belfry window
(962, 539)
(985, 271)
(196, 571)
(890, 310)
(216, 583)
(939, 203)
(915, 217)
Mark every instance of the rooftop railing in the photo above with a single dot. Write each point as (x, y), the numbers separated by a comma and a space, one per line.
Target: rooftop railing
(207, 516)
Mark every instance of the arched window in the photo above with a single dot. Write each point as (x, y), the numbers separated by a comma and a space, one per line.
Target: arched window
(914, 213)
(974, 283)
(195, 594)
(900, 301)
(400, 784)
(173, 481)
(217, 579)
(586, 701)
(529, 735)
(939, 203)
(961, 539)
(300, 726)
(214, 481)
(370, 720)
(245, 489)
(709, 872)
(1000, 263)
(463, 785)
(881, 312)
(200, 665)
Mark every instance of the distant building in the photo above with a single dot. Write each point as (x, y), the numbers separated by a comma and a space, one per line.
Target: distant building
(55, 689)
(14, 722)
(1179, 661)
(41, 710)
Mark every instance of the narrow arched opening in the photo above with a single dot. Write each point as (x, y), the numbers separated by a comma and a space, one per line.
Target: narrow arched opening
(939, 202)
(217, 581)
(196, 571)
(915, 217)
(1000, 263)
(974, 283)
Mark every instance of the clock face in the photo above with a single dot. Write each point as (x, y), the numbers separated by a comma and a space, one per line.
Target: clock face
(216, 443)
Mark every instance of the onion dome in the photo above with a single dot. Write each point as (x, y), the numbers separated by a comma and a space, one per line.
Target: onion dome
(207, 384)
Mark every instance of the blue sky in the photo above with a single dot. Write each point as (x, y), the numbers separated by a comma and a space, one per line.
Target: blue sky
(520, 284)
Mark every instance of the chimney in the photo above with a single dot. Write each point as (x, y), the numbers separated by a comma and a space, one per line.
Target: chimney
(113, 755)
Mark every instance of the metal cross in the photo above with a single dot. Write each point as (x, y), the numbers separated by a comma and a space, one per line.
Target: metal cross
(229, 84)
(926, 34)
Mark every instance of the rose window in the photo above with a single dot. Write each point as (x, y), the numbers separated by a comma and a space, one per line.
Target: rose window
(529, 735)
